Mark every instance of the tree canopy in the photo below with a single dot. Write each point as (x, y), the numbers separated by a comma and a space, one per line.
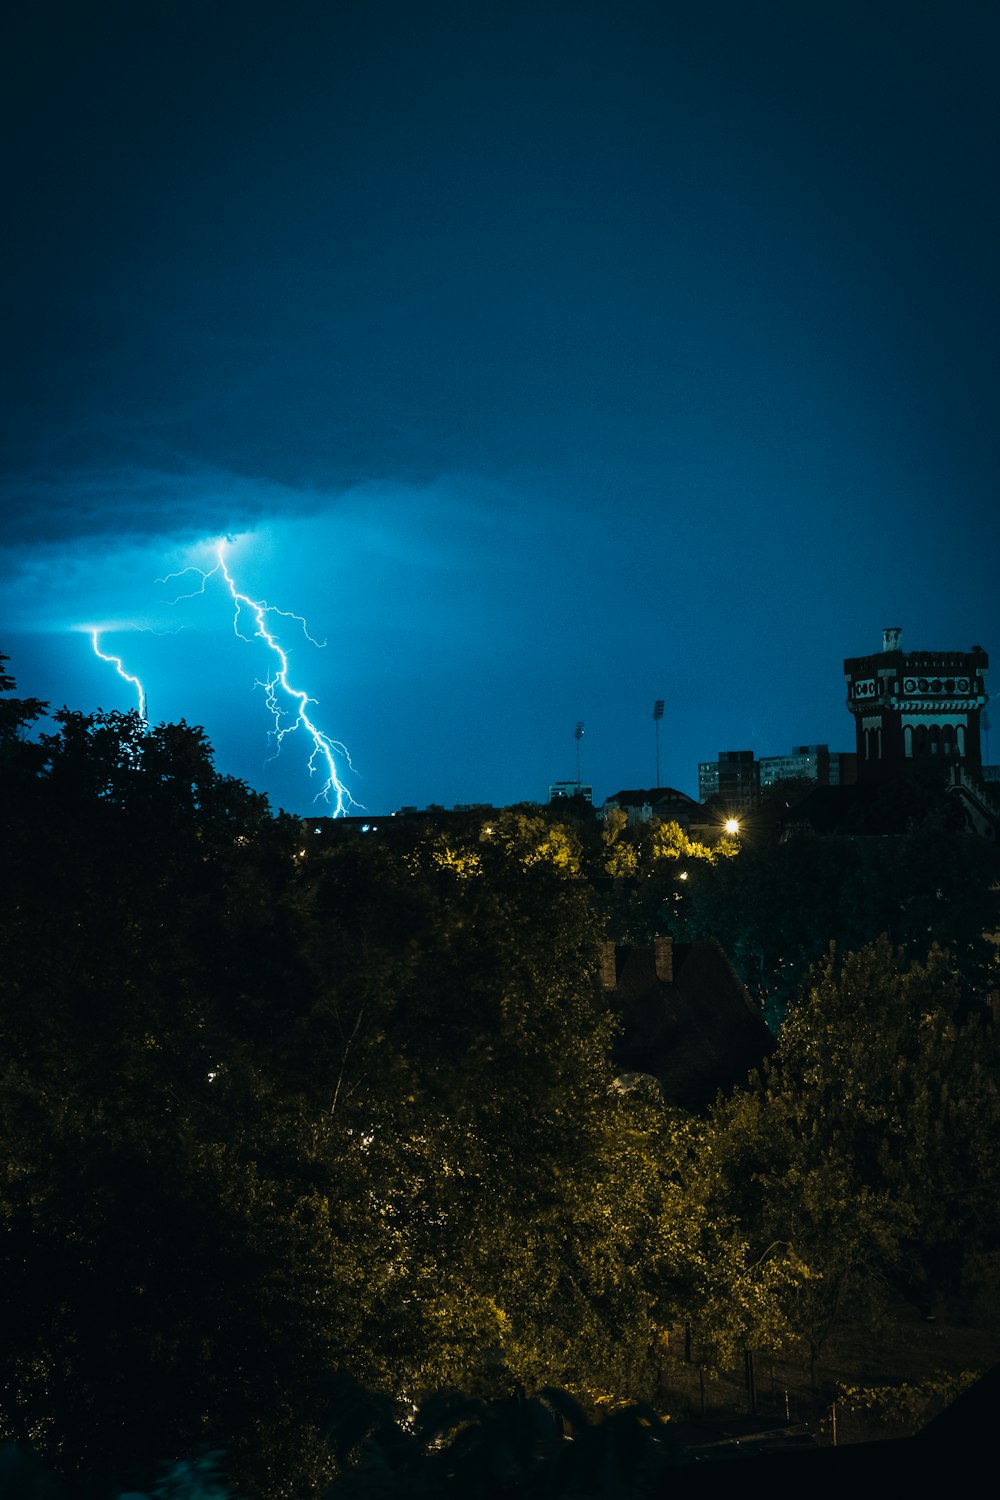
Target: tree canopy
(270, 1117)
(775, 909)
(277, 1117)
(868, 1144)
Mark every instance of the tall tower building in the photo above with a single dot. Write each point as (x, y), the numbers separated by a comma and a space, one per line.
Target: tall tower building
(917, 709)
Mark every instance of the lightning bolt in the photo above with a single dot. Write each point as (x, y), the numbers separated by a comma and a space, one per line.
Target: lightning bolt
(117, 663)
(289, 705)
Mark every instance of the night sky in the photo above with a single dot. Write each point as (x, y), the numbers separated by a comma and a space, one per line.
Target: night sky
(547, 358)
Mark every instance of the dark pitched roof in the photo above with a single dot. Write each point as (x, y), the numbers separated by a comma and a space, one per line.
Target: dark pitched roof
(697, 1034)
(636, 796)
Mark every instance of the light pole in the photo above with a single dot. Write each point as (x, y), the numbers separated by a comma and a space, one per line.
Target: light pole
(657, 716)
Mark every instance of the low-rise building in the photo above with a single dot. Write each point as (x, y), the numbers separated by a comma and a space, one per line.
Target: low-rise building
(666, 803)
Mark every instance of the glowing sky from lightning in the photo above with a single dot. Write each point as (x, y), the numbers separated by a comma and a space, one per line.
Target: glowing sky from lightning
(280, 691)
(551, 359)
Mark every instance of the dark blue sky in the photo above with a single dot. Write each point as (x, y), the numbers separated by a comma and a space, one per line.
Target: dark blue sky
(548, 358)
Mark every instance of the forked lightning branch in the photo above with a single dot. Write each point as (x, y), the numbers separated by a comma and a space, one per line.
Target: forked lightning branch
(288, 703)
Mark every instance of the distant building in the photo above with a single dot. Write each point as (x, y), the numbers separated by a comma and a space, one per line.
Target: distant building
(808, 763)
(734, 778)
(737, 778)
(641, 805)
(917, 717)
(561, 790)
(915, 709)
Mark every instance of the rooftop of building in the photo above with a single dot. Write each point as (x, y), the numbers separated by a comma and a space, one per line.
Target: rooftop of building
(636, 796)
(687, 1020)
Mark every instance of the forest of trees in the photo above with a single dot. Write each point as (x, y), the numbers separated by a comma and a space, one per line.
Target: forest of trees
(280, 1123)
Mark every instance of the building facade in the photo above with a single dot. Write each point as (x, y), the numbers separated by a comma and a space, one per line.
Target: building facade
(560, 791)
(917, 709)
(808, 763)
(734, 777)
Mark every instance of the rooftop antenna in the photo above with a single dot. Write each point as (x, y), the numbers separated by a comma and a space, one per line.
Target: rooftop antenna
(657, 716)
(578, 736)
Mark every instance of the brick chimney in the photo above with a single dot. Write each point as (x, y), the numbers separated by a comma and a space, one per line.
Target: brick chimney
(609, 966)
(663, 958)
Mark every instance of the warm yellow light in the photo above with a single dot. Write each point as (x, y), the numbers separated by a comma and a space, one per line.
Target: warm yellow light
(732, 825)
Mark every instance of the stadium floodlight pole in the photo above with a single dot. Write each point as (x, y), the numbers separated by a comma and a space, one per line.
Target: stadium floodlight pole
(657, 716)
(578, 736)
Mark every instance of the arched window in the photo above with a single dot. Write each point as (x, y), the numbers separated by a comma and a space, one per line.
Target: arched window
(907, 740)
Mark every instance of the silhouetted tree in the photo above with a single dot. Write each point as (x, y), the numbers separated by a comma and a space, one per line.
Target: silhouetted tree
(776, 909)
(868, 1144)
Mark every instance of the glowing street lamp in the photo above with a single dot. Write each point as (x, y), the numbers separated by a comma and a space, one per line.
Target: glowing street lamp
(732, 826)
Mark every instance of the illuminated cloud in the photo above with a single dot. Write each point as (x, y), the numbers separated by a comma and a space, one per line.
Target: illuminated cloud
(547, 370)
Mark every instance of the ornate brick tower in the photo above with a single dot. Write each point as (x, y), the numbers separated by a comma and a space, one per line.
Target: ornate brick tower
(917, 709)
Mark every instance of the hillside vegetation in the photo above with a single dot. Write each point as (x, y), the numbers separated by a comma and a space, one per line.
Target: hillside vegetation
(280, 1122)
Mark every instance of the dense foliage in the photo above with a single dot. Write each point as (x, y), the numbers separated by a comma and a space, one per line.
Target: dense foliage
(275, 1117)
(866, 1145)
(778, 905)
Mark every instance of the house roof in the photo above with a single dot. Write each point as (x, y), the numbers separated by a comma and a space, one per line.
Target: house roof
(696, 1034)
(636, 796)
